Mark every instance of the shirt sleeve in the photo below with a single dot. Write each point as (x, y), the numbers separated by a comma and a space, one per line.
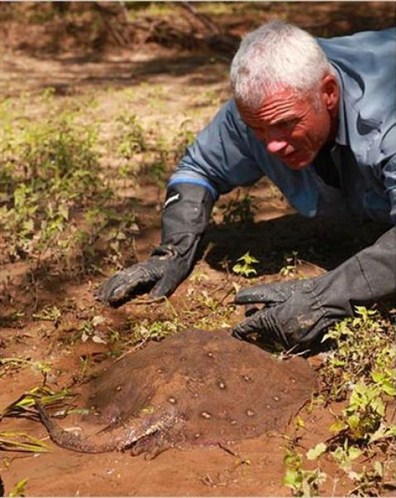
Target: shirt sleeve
(388, 169)
(220, 159)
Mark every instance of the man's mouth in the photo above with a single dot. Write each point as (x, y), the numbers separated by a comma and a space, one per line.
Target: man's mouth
(295, 160)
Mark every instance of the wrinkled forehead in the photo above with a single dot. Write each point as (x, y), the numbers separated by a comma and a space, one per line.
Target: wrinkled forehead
(283, 101)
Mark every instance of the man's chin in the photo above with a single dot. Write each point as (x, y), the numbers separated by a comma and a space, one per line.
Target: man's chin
(297, 164)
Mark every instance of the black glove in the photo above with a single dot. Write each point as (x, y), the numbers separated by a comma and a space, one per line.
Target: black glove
(299, 312)
(185, 216)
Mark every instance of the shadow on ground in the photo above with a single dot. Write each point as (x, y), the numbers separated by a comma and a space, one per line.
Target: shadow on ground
(324, 243)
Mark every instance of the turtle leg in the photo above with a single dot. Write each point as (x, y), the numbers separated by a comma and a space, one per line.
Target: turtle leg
(116, 438)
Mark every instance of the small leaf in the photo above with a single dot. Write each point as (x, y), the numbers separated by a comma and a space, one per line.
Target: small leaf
(379, 469)
(98, 320)
(20, 441)
(64, 212)
(338, 426)
(315, 452)
(378, 376)
(292, 479)
(388, 388)
(354, 453)
(248, 259)
(353, 421)
(98, 340)
(19, 489)
(121, 236)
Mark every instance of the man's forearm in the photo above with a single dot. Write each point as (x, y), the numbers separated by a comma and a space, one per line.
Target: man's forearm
(369, 276)
(298, 313)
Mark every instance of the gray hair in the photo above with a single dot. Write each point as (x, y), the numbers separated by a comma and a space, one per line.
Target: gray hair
(275, 56)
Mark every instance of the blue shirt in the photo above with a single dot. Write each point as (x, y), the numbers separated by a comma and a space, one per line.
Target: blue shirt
(226, 154)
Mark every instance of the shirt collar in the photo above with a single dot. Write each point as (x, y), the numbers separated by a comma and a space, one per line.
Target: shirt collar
(341, 137)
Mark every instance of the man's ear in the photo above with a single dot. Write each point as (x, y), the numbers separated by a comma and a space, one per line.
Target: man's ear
(330, 92)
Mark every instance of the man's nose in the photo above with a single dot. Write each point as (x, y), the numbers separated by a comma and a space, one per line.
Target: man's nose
(276, 140)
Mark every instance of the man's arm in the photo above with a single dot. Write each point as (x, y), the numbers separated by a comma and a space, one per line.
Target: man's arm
(222, 156)
(299, 312)
(217, 161)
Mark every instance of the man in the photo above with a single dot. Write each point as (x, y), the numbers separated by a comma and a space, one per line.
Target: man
(318, 117)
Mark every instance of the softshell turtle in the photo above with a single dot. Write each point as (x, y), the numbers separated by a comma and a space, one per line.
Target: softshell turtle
(196, 387)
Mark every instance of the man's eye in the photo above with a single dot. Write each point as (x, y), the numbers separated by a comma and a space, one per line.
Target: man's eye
(282, 125)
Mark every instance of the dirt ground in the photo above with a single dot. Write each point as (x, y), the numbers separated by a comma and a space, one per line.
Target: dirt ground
(190, 83)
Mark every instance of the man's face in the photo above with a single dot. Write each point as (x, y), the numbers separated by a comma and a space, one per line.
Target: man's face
(291, 126)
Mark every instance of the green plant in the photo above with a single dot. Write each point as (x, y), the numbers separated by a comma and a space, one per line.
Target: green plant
(54, 171)
(208, 312)
(301, 482)
(50, 313)
(183, 139)
(345, 455)
(372, 480)
(25, 403)
(239, 211)
(363, 352)
(19, 441)
(207, 301)
(130, 136)
(19, 488)
(106, 226)
(156, 331)
(56, 205)
(364, 414)
(360, 370)
(12, 320)
(245, 268)
(9, 365)
(88, 331)
(290, 265)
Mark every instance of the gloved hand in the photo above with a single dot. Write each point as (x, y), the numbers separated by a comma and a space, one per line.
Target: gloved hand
(185, 216)
(297, 313)
(160, 274)
(293, 315)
